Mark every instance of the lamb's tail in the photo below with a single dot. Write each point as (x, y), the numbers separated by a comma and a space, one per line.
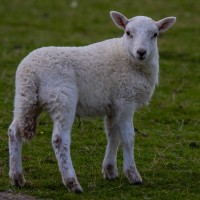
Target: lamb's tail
(26, 108)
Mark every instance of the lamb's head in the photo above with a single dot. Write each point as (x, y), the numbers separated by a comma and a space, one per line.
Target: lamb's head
(140, 37)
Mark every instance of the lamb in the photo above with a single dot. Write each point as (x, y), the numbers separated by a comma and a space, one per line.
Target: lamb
(112, 78)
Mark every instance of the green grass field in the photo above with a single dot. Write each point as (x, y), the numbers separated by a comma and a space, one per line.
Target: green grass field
(167, 146)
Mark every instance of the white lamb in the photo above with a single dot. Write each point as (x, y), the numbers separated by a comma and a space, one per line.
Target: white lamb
(112, 78)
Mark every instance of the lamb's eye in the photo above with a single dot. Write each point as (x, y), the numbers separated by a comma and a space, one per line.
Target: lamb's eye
(128, 33)
(155, 35)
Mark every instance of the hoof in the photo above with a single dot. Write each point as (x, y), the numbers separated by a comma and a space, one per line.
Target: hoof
(17, 180)
(110, 172)
(78, 190)
(133, 176)
(73, 186)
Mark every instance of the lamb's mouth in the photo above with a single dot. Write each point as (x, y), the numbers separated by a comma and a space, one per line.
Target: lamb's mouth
(139, 58)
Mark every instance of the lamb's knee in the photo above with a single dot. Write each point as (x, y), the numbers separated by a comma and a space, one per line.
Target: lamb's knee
(127, 136)
(11, 135)
(127, 141)
(56, 141)
(12, 132)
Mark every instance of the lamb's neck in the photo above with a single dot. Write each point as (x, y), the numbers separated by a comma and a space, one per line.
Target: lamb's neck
(116, 49)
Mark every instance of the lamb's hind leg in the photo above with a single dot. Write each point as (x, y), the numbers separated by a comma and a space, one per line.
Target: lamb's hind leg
(109, 167)
(24, 123)
(15, 163)
(21, 129)
(63, 117)
(61, 146)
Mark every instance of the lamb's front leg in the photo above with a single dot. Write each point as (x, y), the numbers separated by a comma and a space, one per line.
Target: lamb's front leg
(109, 167)
(127, 140)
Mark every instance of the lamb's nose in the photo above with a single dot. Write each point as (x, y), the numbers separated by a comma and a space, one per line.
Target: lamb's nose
(141, 52)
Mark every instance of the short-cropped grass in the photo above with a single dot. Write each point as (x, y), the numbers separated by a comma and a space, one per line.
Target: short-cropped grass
(167, 145)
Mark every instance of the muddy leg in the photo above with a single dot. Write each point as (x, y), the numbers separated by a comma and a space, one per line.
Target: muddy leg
(61, 145)
(63, 113)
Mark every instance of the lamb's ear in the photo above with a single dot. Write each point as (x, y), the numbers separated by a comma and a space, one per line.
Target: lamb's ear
(120, 20)
(165, 24)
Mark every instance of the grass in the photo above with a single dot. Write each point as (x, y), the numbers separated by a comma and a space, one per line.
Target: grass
(167, 146)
